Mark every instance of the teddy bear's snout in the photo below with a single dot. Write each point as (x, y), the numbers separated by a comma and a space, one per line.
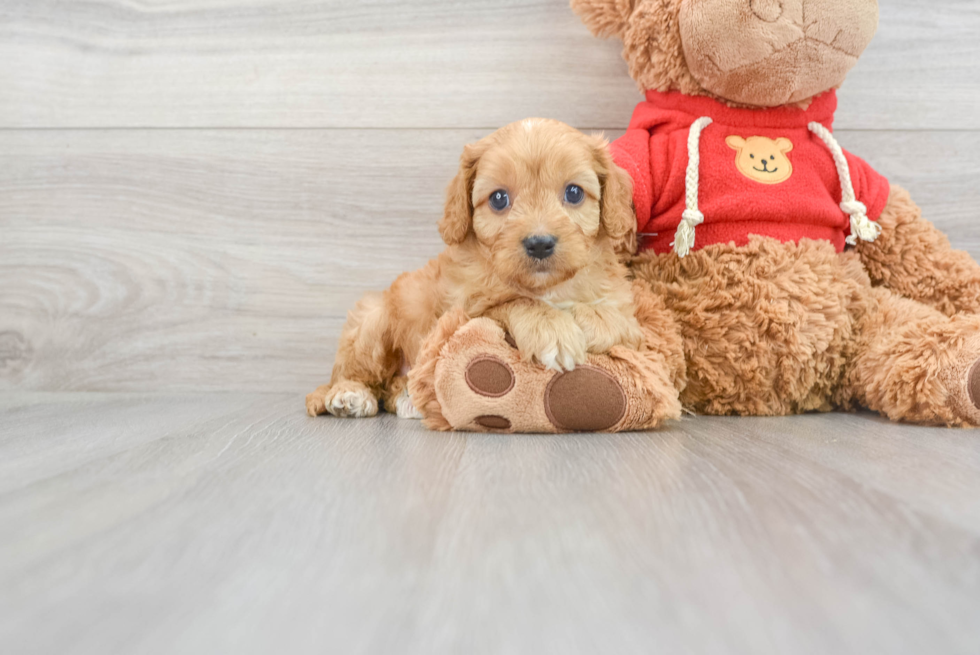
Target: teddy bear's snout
(771, 52)
(803, 14)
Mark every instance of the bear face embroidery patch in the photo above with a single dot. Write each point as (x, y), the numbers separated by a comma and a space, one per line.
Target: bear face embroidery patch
(761, 159)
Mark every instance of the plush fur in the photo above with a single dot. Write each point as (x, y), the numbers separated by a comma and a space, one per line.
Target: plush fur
(916, 260)
(558, 309)
(772, 328)
(764, 325)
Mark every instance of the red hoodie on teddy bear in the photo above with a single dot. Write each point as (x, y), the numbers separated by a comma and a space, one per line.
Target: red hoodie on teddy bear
(767, 172)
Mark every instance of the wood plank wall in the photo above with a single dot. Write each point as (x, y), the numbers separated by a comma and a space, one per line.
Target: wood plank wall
(192, 194)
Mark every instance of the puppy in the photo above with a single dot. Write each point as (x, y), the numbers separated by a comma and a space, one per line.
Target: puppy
(536, 223)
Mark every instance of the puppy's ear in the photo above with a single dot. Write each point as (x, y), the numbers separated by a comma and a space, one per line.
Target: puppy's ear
(458, 214)
(604, 18)
(616, 204)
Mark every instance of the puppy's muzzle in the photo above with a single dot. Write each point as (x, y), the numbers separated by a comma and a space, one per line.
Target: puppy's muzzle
(540, 247)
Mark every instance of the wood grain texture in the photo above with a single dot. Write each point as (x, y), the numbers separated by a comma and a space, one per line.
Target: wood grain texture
(234, 523)
(428, 63)
(227, 259)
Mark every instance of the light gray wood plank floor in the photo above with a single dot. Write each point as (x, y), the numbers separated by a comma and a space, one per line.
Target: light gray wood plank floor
(234, 523)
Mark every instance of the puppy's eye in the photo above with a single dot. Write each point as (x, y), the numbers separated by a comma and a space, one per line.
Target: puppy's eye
(574, 194)
(499, 200)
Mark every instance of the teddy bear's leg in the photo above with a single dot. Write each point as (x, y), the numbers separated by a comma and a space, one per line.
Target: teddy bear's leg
(913, 258)
(913, 363)
(469, 376)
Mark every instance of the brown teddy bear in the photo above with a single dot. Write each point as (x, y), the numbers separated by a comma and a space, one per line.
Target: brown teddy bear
(776, 273)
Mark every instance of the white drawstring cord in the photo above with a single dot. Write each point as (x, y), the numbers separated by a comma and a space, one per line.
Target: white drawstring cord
(691, 218)
(861, 226)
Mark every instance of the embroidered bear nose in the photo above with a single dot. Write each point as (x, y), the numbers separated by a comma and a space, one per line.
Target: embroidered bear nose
(767, 10)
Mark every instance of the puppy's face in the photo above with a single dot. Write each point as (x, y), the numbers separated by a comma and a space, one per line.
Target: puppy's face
(543, 199)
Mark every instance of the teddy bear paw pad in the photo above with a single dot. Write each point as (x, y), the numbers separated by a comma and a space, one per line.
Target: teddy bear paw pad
(585, 399)
(490, 377)
(493, 422)
(973, 384)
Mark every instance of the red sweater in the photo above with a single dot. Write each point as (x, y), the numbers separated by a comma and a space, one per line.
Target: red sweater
(761, 172)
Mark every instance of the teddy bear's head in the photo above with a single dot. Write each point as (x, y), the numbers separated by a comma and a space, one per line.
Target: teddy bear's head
(761, 53)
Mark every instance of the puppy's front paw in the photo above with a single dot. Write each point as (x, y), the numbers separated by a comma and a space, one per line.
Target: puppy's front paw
(563, 355)
(314, 401)
(556, 343)
(606, 329)
(344, 399)
(405, 408)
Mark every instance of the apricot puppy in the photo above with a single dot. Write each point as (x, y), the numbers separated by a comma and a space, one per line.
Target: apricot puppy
(536, 222)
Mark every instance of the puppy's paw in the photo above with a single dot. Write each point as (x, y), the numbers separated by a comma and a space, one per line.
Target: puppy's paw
(605, 329)
(404, 408)
(564, 355)
(315, 401)
(344, 399)
(557, 343)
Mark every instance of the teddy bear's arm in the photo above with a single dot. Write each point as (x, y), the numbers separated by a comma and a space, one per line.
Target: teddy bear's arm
(916, 260)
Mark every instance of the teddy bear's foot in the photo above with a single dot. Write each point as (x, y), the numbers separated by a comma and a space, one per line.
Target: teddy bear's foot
(962, 381)
(916, 365)
(587, 398)
(478, 381)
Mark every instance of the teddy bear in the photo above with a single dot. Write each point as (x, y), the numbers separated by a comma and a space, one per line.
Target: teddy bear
(775, 273)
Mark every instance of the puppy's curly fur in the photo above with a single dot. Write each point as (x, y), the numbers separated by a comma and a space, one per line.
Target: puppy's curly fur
(557, 308)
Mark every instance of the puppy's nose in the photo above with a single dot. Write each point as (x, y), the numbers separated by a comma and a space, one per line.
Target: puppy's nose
(540, 247)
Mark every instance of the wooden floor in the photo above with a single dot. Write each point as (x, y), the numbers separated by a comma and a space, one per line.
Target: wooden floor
(234, 523)
(193, 194)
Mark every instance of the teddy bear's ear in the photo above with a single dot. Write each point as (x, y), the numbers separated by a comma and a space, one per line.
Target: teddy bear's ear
(784, 144)
(735, 142)
(458, 214)
(604, 18)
